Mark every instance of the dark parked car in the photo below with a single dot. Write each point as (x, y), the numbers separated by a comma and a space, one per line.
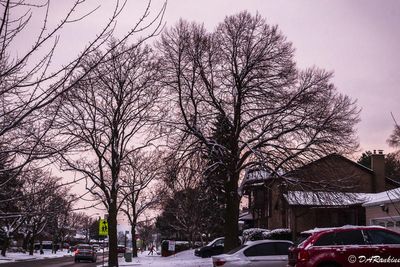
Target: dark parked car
(347, 246)
(85, 252)
(215, 247)
(121, 249)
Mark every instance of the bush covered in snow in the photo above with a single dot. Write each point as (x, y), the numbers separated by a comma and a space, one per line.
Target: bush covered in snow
(253, 234)
(279, 234)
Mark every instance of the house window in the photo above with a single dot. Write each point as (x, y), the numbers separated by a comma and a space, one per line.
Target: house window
(390, 224)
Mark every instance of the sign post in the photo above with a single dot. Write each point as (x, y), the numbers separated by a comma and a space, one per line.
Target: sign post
(103, 231)
(103, 227)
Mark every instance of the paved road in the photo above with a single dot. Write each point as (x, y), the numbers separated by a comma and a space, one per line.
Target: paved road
(57, 262)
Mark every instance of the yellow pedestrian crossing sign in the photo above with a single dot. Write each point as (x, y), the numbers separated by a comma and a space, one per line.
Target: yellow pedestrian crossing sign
(103, 227)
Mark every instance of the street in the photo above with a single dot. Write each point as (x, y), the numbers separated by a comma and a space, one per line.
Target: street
(55, 262)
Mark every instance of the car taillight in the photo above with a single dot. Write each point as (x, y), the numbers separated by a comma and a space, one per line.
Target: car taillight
(77, 251)
(302, 255)
(219, 262)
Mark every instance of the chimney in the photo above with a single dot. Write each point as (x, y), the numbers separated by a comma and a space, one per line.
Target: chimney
(378, 166)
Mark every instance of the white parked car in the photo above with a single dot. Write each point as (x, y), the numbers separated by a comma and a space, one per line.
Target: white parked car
(261, 253)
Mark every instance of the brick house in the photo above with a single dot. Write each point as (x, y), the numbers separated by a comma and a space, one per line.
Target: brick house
(324, 193)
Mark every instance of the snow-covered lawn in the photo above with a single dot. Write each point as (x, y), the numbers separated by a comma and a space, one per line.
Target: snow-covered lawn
(11, 257)
(183, 259)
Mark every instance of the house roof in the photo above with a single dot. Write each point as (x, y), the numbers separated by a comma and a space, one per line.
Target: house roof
(383, 198)
(309, 198)
(245, 216)
(333, 155)
(255, 177)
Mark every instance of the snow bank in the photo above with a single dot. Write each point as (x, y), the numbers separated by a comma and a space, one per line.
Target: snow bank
(15, 257)
(184, 259)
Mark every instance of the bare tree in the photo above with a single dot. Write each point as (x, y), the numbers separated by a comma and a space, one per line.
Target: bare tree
(187, 185)
(10, 201)
(278, 116)
(394, 139)
(80, 222)
(44, 203)
(106, 119)
(139, 192)
(30, 80)
(146, 230)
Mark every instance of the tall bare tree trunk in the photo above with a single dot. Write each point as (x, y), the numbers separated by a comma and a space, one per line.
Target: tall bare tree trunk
(231, 215)
(26, 241)
(112, 235)
(134, 245)
(32, 243)
(5, 245)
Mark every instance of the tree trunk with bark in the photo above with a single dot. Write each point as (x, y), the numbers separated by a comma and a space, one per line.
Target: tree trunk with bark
(32, 243)
(134, 245)
(112, 235)
(26, 241)
(5, 245)
(232, 214)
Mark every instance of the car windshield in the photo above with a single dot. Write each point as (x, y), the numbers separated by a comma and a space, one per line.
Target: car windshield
(233, 251)
(212, 242)
(302, 238)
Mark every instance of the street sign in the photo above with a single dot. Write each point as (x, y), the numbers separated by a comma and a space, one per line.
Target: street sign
(171, 245)
(103, 227)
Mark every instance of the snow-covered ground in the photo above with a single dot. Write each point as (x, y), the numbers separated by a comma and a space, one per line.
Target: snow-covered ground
(183, 259)
(12, 257)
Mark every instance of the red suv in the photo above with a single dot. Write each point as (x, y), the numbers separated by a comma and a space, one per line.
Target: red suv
(351, 246)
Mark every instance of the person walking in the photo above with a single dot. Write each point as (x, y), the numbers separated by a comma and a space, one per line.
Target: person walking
(151, 250)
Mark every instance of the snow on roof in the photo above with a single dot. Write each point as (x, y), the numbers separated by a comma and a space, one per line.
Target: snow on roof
(245, 216)
(255, 242)
(383, 197)
(258, 175)
(79, 236)
(308, 198)
(255, 177)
